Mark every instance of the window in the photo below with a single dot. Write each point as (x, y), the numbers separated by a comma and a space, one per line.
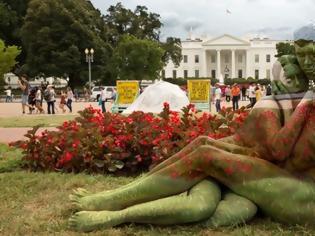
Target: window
(268, 74)
(174, 74)
(185, 74)
(256, 74)
(196, 58)
(268, 58)
(226, 58)
(240, 58)
(185, 58)
(213, 74)
(240, 74)
(163, 74)
(212, 58)
(256, 58)
(197, 73)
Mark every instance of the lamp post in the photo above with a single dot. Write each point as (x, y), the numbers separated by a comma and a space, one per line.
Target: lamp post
(89, 57)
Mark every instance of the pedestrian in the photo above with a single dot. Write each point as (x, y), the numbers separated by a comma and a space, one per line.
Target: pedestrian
(76, 95)
(49, 96)
(32, 99)
(24, 86)
(8, 93)
(103, 98)
(244, 93)
(235, 91)
(228, 94)
(252, 94)
(258, 93)
(69, 98)
(268, 90)
(62, 101)
(217, 97)
(38, 100)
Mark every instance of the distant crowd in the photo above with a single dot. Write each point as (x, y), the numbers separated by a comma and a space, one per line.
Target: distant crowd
(34, 97)
(235, 93)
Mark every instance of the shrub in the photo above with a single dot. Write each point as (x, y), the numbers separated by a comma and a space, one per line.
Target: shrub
(97, 142)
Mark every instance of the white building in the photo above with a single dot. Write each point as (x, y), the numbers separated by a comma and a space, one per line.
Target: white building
(225, 57)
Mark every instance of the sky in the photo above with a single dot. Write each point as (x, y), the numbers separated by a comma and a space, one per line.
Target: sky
(276, 19)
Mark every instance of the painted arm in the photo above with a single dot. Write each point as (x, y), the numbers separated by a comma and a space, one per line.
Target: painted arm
(264, 131)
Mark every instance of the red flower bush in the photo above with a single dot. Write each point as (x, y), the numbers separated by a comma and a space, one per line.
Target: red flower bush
(105, 142)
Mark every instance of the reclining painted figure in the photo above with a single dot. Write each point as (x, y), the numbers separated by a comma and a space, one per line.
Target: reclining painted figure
(268, 164)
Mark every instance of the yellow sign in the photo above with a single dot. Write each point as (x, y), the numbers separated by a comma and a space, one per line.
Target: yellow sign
(198, 91)
(127, 91)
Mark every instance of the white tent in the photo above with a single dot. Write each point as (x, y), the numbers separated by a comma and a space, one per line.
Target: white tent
(153, 97)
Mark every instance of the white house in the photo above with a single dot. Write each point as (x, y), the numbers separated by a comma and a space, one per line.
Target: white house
(225, 56)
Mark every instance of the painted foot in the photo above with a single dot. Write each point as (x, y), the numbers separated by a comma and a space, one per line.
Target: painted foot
(82, 200)
(77, 195)
(86, 221)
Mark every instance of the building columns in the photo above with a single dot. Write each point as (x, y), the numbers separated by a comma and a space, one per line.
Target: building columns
(247, 64)
(204, 61)
(233, 64)
(218, 73)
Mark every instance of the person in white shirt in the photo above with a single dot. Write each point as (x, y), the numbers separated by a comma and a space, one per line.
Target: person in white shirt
(8, 97)
(217, 97)
(69, 98)
(252, 94)
(103, 98)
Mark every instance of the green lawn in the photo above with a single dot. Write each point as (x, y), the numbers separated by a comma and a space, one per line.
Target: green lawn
(37, 204)
(32, 120)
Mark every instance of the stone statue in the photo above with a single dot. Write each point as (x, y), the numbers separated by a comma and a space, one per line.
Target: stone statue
(268, 164)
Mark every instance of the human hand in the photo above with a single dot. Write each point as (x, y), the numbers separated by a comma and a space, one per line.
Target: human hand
(278, 87)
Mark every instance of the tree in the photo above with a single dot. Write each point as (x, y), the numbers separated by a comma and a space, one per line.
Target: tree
(173, 51)
(143, 25)
(12, 13)
(285, 49)
(7, 58)
(55, 35)
(137, 59)
(139, 23)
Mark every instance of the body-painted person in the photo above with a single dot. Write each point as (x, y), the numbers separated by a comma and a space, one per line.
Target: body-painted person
(268, 163)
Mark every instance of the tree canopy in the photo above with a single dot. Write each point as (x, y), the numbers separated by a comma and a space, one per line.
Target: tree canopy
(7, 58)
(54, 34)
(137, 59)
(284, 49)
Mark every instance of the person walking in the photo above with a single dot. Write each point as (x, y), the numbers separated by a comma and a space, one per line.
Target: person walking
(228, 94)
(235, 91)
(268, 90)
(258, 93)
(25, 87)
(252, 94)
(8, 93)
(69, 98)
(50, 99)
(62, 101)
(217, 97)
(244, 90)
(38, 100)
(103, 98)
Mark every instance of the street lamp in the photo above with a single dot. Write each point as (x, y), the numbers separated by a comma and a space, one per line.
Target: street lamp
(89, 56)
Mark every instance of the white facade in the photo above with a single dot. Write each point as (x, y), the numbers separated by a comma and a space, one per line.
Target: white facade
(225, 56)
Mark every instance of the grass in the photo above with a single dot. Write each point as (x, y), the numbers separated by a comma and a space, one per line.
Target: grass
(32, 120)
(37, 204)
(10, 158)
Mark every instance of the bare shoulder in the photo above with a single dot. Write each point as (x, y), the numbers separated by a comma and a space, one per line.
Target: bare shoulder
(267, 102)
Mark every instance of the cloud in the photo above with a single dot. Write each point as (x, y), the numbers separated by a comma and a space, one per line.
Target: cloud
(193, 23)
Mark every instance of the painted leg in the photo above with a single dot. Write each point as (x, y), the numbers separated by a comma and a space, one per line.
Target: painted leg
(83, 200)
(197, 204)
(279, 194)
(231, 211)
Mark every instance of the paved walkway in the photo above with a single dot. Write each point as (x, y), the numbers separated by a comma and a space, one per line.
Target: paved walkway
(8, 135)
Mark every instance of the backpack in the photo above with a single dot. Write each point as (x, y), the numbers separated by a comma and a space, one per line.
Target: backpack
(47, 95)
